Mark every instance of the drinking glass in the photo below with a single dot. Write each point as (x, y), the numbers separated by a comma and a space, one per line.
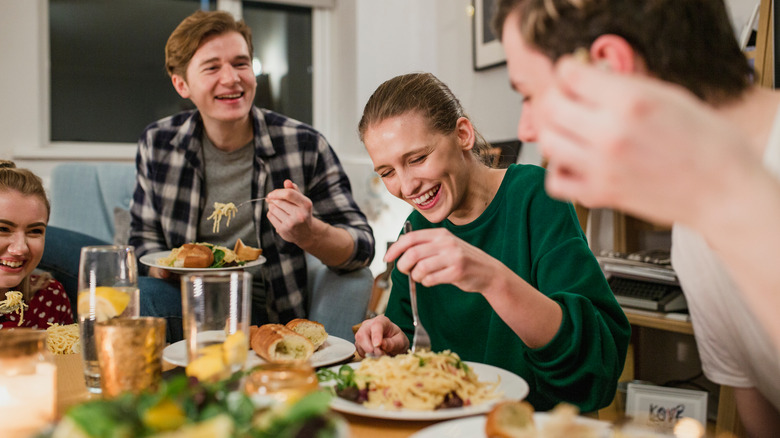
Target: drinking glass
(130, 352)
(216, 311)
(108, 288)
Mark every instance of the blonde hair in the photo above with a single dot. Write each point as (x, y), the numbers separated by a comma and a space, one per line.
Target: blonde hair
(28, 184)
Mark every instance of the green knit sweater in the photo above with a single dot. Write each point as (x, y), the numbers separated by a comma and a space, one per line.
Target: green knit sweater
(540, 240)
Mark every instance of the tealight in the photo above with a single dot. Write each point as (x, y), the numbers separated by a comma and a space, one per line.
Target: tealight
(28, 382)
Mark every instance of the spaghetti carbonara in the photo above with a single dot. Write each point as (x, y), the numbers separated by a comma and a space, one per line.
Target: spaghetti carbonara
(421, 381)
(222, 210)
(13, 303)
(63, 339)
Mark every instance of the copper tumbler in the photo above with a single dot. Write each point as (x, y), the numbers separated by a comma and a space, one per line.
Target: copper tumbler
(130, 354)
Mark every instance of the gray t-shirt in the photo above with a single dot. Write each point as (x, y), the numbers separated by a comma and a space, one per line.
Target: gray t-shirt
(228, 177)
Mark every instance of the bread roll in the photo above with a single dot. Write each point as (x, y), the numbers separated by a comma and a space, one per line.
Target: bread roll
(277, 343)
(193, 255)
(312, 330)
(246, 253)
(511, 419)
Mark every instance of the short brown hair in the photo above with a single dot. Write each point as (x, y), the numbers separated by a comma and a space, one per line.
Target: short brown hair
(687, 42)
(423, 93)
(188, 35)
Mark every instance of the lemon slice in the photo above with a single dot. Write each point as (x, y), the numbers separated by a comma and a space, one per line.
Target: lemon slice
(165, 415)
(109, 303)
(207, 368)
(220, 426)
(236, 349)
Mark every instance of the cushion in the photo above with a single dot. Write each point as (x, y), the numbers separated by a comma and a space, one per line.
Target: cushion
(121, 226)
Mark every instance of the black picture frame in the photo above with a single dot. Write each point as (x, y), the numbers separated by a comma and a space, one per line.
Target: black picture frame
(488, 52)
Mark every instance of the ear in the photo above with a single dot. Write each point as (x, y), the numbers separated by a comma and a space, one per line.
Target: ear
(465, 131)
(180, 85)
(615, 52)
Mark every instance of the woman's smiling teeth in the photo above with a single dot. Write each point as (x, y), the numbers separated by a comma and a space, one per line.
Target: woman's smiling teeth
(11, 263)
(425, 197)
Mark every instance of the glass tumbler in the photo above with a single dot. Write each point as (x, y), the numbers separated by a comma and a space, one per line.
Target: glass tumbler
(108, 288)
(216, 317)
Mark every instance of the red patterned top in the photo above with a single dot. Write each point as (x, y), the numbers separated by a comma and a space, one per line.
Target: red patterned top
(49, 305)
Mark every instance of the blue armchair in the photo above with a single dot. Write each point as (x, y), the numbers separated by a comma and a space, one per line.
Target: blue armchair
(94, 199)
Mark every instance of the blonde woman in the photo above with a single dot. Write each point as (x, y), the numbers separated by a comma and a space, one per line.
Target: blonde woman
(24, 215)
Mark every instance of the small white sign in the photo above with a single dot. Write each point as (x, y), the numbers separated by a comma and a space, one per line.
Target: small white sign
(660, 407)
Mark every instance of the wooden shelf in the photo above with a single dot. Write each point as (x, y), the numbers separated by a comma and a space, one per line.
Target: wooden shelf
(728, 421)
(657, 320)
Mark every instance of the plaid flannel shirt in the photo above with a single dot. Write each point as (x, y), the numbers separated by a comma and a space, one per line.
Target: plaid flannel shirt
(169, 197)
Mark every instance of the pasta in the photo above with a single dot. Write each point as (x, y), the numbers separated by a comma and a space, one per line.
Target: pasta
(222, 210)
(13, 303)
(421, 381)
(63, 339)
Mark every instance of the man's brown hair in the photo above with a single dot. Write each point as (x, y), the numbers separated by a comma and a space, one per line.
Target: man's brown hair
(190, 33)
(687, 42)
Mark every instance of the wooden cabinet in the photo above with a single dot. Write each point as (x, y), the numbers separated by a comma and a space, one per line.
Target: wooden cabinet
(727, 421)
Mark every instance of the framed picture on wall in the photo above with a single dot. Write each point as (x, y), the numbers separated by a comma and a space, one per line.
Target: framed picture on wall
(487, 49)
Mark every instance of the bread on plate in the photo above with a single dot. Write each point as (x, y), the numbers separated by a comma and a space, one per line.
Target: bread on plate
(312, 330)
(193, 255)
(511, 419)
(246, 253)
(277, 343)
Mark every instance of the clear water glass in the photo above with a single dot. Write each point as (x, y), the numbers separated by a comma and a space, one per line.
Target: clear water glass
(108, 288)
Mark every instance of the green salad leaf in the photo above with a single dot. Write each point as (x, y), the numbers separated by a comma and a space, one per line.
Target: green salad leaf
(219, 258)
(184, 402)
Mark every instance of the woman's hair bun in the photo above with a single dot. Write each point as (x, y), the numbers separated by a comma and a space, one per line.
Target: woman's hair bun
(7, 164)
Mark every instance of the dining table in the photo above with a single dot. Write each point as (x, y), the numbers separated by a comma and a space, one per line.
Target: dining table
(72, 390)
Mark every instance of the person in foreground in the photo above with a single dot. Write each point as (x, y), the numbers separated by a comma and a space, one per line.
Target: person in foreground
(228, 150)
(24, 214)
(505, 274)
(669, 126)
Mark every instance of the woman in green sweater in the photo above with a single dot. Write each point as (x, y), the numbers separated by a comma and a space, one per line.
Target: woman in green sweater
(505, 274)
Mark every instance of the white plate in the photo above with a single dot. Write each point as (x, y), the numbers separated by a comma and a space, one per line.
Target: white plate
(334, 350)
(511, 385)
(474, 427)
(151, 260)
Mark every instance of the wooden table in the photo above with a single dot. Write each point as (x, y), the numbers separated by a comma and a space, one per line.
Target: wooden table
(71, 390)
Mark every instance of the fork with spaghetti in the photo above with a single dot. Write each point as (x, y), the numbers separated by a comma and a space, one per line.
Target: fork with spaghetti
(227, 210)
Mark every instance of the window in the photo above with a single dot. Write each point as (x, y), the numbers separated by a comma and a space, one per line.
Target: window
(107, 72)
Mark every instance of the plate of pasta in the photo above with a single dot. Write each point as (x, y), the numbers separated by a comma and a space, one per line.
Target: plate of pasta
(422, 386)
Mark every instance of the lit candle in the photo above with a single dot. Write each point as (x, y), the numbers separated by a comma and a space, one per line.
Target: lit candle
(27, 384)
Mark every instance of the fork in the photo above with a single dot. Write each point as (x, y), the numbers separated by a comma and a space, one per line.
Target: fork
(421, 340)
(250, 200)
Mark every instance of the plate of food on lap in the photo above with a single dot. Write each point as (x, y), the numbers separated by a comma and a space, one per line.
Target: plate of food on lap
(420, 386)
(198, 257)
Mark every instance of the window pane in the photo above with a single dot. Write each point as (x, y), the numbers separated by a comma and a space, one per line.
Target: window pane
(281, 36)
(108, 78)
